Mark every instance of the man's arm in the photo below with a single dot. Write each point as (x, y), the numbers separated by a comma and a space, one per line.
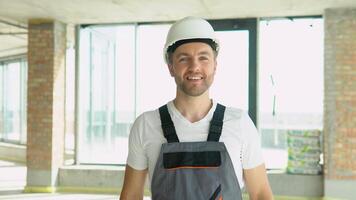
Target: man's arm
(134, 183)
(257, 183)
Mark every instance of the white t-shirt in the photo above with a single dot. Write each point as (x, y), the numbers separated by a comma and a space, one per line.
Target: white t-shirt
(239, 134)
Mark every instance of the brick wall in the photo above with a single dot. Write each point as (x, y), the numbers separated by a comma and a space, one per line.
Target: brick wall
(45, 100)
(340, 94)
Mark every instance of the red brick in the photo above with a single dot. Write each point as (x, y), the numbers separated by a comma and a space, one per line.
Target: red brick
(45, 117)
(340, 94)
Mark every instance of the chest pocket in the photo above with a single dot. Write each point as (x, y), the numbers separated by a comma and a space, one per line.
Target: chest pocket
(198, 172)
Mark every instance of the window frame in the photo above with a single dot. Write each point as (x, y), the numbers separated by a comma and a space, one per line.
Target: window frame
(22, 60)
(250, 25)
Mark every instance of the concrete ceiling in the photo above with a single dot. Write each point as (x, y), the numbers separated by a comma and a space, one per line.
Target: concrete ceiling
(13, 38)
(17, 12)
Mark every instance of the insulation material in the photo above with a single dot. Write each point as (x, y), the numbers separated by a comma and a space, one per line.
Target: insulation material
(304, 151)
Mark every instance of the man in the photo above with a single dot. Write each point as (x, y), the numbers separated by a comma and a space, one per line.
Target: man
(194, 148)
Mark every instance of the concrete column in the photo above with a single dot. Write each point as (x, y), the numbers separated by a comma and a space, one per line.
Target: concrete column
(340, 103)
(45, 103)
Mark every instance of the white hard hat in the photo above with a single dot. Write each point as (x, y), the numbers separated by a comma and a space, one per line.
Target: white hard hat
(189, 28)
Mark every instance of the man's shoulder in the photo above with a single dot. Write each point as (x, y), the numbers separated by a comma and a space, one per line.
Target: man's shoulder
(148, 115)
(238, 123)
(148, 126)
(233, 113)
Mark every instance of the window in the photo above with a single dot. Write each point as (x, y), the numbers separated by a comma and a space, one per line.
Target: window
(106, 94)
(236, 85)
(122, 70)
(290, 82)
(121, 74)
(13, 80)
(231, 80)
(151, 68)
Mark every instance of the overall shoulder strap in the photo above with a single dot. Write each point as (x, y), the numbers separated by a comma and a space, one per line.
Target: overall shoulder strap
(167, 125)
(216, 123)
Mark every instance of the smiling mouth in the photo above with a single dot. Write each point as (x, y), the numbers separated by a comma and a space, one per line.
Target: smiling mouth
(194, 78)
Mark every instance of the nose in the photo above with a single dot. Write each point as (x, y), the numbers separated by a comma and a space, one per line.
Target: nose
(194, 64)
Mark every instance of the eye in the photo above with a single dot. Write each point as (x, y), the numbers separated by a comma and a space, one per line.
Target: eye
(183, 59)
(203, 58)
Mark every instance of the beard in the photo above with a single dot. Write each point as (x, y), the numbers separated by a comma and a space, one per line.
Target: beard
(192, 89)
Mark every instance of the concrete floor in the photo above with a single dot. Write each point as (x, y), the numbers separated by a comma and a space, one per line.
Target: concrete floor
(62, 196)
(12, 178)
(13, 182)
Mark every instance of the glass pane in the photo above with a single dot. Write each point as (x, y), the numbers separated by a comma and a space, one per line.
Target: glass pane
(106, 94)
(155, 86)
(2, 96)
(13, 81)
(290, 82)
(124, 89)
(95, 114)
(230, 86)
(69, 102)
(84, 93)
(23, 102)
(12, 94)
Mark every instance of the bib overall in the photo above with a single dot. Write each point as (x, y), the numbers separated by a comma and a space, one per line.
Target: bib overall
(194, 170)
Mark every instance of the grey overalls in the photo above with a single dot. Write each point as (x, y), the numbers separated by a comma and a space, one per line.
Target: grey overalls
(194, 170)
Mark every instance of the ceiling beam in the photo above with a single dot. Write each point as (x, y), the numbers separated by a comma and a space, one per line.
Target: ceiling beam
(12, 24)
(13, 33)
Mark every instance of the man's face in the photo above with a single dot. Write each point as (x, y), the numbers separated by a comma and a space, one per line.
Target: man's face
(193, 67)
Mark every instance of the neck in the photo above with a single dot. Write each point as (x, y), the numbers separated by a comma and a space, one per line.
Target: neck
(193, 108)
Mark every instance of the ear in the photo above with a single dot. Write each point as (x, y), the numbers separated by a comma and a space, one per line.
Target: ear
(215, 65)
(171, 70)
